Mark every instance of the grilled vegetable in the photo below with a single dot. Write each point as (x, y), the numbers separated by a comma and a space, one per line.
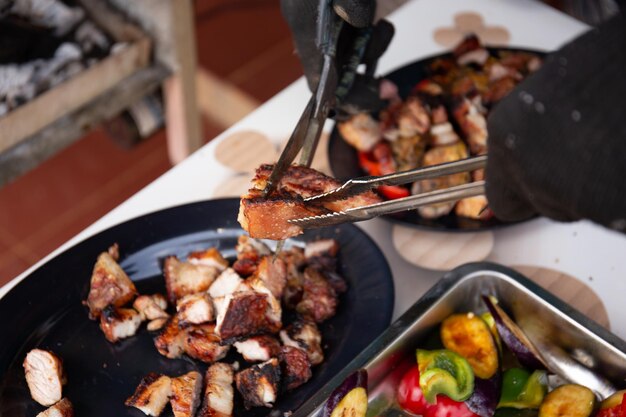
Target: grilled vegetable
(614, 406)
(514, 338)
(516, 412)
(522, 389)
(569, 400)
(444, 372)
(469, 336)
(484, 399)
(349, 398)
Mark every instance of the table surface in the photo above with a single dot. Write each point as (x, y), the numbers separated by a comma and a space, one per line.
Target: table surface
(583, 250)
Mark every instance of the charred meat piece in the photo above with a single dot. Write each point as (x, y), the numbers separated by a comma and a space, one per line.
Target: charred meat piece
(294, 287)
(202, 343)
(152, 394)
(151, 307)
(319, 299)
(210, 257)
(439, 155)
(186, 394)
(225, 284)
(498, 89)
(473, 124)
(258, 348)
(183, 278)
(472, 207)
(305, 335)
(470, 50)
(171, 341)
(44, 376)
(321, 247)
(295, 367)
(63, 408)
(361, 131)
(408, 151)
(109, 284)
(413, 117)
(249, 253)
(443, 134)
(218, 391)
(269, 217)
(259, 384)
(195, 309)
(273, 274)
(119, 323)
(245, 314)
(157, 324)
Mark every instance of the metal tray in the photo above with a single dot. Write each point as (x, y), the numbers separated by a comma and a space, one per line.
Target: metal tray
(536, 311)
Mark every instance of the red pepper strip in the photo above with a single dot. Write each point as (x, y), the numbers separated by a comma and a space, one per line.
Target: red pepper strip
(379, 161)
(622, 407)
(392, 192)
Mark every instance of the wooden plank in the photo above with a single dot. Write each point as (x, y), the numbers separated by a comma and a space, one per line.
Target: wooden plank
(37, 148)
(70, 95)
(111, 21)
(221, 101)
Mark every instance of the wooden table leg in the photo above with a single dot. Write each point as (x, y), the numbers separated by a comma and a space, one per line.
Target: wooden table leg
(181, 109)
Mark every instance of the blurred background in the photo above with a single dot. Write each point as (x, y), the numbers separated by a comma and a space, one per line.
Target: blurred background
(97, 121)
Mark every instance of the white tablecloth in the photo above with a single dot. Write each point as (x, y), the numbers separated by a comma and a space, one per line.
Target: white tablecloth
(581, 249)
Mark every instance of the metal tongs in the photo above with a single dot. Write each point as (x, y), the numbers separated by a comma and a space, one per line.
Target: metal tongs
(306, 134)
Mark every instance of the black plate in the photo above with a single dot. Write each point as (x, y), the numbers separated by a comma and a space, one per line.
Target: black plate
(44, 310)
(344, 161)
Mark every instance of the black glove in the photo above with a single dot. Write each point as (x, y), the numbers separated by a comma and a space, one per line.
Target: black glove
(301, 15)
(557, 143)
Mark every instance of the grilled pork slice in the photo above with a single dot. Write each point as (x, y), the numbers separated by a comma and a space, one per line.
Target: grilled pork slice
(44, 376)
(319, 298)
(119, 323)
(171, 341)
(413, 117)
(249, 253)
(273, 274)
(63, 408)
(202, 343)
(471, 207)
(473, 124)
(361, 131)
(151, 307)
(225, 284)
(152, 394)
(247, 313)
(210, 257)
(439, 155)
(195, 309)
(321, 247)
(295, 367)
(218, 391)
(157, 324)
(258, 385)
(269, 217)
(294, 261)
(186, 394)
(183, 278)
(109, 284)
(258, 348)
(305, 335)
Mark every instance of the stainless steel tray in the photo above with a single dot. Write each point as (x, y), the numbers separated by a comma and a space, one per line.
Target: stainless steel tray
(535, 310)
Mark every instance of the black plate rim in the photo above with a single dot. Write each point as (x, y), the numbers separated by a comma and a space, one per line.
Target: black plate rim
(437, 226)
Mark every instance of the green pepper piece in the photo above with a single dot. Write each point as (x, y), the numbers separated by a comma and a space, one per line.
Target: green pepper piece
(444, 372)
(521, 389)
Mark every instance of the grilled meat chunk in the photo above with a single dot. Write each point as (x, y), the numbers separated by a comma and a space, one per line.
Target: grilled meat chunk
(259, 384)
(44, 376)
(471, 207)
(305, 335)
(63, 408)
(202, 343)
(249, 253)
(269, 217)
(225, 284)
(186, 394)
(258, 348)
(361, 131)
(294, 261)
(171, 341)
(183, 278)
(210, 257)
(295, 367)
(151, 307)
(245, 314)
(473, 124)
(273, 273)
(119, 323)
(152, 394)
(319, 248)
(109, 284)
(157, 324)
(319, 299)
(218, 391)
(195, 309)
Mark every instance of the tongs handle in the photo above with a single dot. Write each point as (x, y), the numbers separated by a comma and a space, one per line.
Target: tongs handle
(360, 185)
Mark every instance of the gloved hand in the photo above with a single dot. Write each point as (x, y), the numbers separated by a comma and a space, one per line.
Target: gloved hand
(301, 16)
(557, 143)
